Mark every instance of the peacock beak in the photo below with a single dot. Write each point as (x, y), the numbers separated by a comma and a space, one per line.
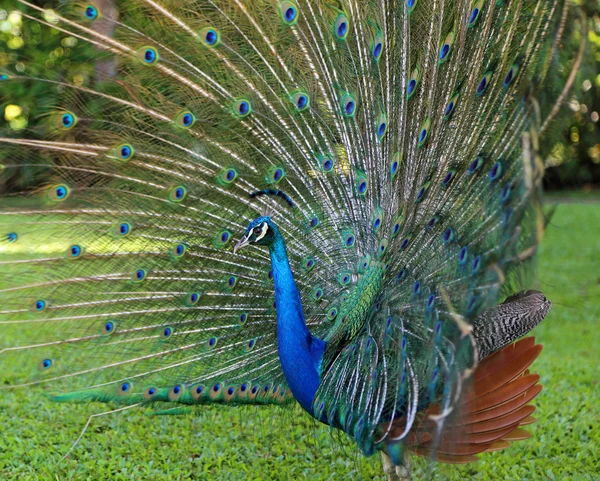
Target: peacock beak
(244, 241)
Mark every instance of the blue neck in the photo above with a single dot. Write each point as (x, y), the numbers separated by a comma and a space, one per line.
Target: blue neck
(299, 352)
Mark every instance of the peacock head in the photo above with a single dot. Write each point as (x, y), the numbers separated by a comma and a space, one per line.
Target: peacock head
(260, 231)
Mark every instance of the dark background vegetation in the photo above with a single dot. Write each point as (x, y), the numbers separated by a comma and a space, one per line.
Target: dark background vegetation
(571, 147)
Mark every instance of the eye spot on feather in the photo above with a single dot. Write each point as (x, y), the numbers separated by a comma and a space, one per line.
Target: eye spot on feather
(506, 193)
(91, 12)
(185, 119)
(227, 176)
(430, 302)
(231, 282)
(473, 16)
(394, 165)
(344, 278)
(140, 275)
(300, 100)
(341, 27)
(308, 263)
(12, 237)
(211, 343)
(475, 165)
(40, 305)
(349, 239)
(124, 388)
(476, 264)
(448, 178)
(381, 127)
(222, 239)
(59, 193)
(448, 235)
(198, 392)
(242, 108)
(377, 47)
(417, 288)
(3, 77)
(178, 250)
(192, 299)
(313, 222)
(510, 76)
(433, 222)
(483, 83)
(412, 85)
(275, 175)
(167, 332)
(332, 314)
(381, 249)
(250, 345)
(496, 171)
(45, 364)
(397, 226)
(150, 393)
(124, 151)
(317, 294)
(404, 244)
(411, 4)
(377, 219)
(326, 163)
(74, 251)
(123, 229)
(424, 133)
(289, 12)
(148, 55)
(243, 317)
(210, 37)
(177, 194)
(109, 327)
(68, 120)
(363, 264)
(348, 104)
(176, 392)
(462, 256)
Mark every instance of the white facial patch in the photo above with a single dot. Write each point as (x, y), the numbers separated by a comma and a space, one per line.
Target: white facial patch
(264, 227)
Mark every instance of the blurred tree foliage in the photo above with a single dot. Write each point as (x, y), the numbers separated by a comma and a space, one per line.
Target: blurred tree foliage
(571, 147)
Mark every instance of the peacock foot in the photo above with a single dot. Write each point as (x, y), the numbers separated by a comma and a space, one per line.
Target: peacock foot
(397, 473)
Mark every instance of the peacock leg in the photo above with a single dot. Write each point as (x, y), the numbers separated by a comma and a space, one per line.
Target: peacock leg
(404, 472)
(388, 467)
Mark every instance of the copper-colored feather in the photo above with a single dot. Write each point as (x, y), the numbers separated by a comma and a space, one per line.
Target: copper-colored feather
(493, 408)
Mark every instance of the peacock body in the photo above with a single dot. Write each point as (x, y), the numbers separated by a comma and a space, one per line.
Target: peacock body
(377, 160)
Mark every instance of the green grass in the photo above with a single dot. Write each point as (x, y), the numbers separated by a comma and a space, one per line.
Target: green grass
(285, 444)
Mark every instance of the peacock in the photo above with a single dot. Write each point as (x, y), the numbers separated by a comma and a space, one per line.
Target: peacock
(325, 202)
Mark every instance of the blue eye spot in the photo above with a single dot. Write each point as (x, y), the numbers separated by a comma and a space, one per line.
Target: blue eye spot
(167, 331)
(482, 86)
(349, 108)
(124, 228)
(394, 167)
(449, 109)
(67, 120)
(149, 55)
(411, 86)
(211, 37)
(302, 101)
(194, 297)
(199, 389)
(231, 281)
(3, 77)
(176, 389)
(108, 327)
(140, 274)
(377, 50)
(61, 192)
(179, 193)
(422, 135)
(444, 51)
(377, 223)
(243, 108)
(476, 264)
(290, 14)
(151, 391)
(40, 305)
(362, 187)
(350, 240)
(404, 244)
(509, 76)
(496, 171)
(314, 222)
(342, 29)
(411, 3)
(125, 152)
(224, 237)
(216, 387)
(212, 341)
(310, 263)
(12, 237)
(506, 191)
(47, 363)
(243, 387)
(243, 318)
(417, 288)
(277, 174)
(91, 13)
(448, 178)
(179, 250)
(381, 129)
(327, 165)
(473, 16)
(475, 165)
(251, 343)
(396, 228)
(430, 301)
(125, 387)
(448, 234)
(187, 119)
(75, 251)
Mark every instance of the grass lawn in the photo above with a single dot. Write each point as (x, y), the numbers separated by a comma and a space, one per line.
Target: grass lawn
(285, 444)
